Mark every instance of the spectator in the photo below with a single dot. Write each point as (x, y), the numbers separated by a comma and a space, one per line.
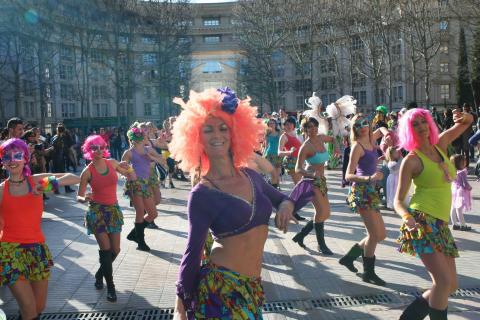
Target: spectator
(15, 128)
(116, 145)
(58, 154)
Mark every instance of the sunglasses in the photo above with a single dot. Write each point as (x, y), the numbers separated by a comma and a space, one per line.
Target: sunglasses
(96, 148)
(13, 156)
(361, 124)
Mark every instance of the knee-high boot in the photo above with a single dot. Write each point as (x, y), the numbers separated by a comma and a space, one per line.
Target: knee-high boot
(352, 255)
(417, 310)
(140, 235)
(437, 314)
(319, 230)
(298, 238)
(99, 274)
(107, 270)
(369, 274)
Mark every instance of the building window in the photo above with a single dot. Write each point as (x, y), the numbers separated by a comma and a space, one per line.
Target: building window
(279, 71)
(101, 110)
(212, 67)
(211, 22)
(280, 86)
(149, 59)
(363, 98)
(443, 25)
(359, 80)
(303, 70)
(444, 67)
(28, 88)
(68, 110)
(148, 40)
(211, 39)
(66, 53)
(444, 49)
(303, 85)
(327, 83)
(147, 109)
(299, 102)
(324, 99)
(97, 56)
(332, 97)
(147, 92)
(66, 91)
(382, 96)
(124, 39)
(324, 50)
(356, 43)
(444, 91)
(29, 109)
(278, 56)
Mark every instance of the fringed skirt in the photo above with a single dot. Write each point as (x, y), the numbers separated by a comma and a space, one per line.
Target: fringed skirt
(363, 195)
(103, 218)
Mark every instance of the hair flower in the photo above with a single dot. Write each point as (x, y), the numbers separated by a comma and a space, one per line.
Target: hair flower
(229, 101)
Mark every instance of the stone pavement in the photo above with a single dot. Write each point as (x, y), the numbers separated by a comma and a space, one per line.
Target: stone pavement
(305, 284)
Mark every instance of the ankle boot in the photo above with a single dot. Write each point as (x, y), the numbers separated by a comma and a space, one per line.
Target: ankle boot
(140, 235)
(417, 310)
(303, 233)
(352, 255)
(437, 314)
(132, 236)
(369, 274)
(99, 274)
(319, 230)
(107, 270)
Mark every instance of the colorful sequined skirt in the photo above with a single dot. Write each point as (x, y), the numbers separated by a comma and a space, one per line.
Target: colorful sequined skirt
(303, 192)
(363, 195)
(153, 180)
(138, 188)
(289, 164)
(274, 159)
(431, 235)
(103, 218)
(225, 294)
(29, 261)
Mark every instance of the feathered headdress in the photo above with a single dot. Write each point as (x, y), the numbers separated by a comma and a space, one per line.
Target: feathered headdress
(339, 111)
(315, 104)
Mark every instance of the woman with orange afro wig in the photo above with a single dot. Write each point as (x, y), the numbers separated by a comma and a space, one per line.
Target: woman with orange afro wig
(424, 232)
(216, 135)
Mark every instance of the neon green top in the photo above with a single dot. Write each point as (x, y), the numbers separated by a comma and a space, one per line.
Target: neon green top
(432, 193)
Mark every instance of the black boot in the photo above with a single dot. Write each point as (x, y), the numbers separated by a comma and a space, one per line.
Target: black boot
(319, 230)
(99, 274)
(437, 314)
(298, 217)
(352, 255)
(417, 310)
(140, 235)
(303, 233)
(132, 236)
(369, 274)
(106, 257)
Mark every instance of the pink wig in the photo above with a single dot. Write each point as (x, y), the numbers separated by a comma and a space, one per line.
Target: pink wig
(408, 140)
(20, 145)
(186, 145)
(97, 141)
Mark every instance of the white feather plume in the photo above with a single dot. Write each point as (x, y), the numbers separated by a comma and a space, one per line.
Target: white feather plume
(315, 104)
(339, 111)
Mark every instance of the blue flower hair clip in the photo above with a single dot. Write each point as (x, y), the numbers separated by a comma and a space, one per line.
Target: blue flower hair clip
(230, 100)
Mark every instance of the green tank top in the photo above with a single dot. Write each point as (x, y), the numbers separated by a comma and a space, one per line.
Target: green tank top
(432, 192)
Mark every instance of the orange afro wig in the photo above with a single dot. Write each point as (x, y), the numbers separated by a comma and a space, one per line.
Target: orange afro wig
(246, 130)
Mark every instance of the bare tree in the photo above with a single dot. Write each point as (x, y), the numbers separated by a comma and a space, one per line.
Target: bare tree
(261, 32)
(423, 22)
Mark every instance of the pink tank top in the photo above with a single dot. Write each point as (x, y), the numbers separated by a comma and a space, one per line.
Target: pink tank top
(293, 142)
(104, 187)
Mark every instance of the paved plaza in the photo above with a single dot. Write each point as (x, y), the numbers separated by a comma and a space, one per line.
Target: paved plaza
(299, 284)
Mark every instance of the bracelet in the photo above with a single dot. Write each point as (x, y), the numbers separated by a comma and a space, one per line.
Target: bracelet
(49, 184)
(406, 216)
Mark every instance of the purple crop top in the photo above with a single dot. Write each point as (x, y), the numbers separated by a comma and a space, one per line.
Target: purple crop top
(141, 164)
(225, 215)
(367, 165)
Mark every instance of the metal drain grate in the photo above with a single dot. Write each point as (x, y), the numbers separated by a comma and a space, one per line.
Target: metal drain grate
(466, 292)
(351, 301)
(279, 306)
(150, 314)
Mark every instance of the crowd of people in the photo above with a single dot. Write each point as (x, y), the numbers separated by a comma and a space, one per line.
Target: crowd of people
(236, 160)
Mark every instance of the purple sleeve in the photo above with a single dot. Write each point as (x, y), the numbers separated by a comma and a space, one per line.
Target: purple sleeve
(276, 197)
(199, 222)
(462, 179)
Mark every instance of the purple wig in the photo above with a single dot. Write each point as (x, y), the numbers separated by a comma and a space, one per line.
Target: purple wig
(408, 139)
(97, 141)
(19, 145)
